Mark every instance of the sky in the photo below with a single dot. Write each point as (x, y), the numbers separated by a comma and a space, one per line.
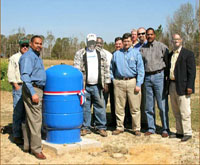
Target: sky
(76, 18)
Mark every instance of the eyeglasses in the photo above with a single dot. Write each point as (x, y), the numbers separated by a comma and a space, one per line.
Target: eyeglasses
(24, 46)
(141, 33)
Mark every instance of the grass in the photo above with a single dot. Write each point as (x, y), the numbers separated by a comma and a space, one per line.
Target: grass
(194, 114)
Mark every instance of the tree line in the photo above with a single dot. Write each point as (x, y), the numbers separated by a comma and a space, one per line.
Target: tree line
(184, 21)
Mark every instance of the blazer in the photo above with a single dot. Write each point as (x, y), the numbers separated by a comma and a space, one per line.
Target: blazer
(184, 71)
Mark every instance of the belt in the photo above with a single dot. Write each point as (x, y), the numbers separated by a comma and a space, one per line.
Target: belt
(172, 81)
(38, 86)
(154, 72)
(125, 78)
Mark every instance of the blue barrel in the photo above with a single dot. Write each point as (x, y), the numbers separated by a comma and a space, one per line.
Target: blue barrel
(63, 113)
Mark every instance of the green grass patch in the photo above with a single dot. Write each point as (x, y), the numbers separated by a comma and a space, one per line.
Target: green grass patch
(5, 85)
(194, 114)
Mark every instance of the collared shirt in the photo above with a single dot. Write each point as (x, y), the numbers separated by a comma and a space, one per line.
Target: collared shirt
(154, 55)
(127, 64)
(139, 45)
(108, 56)
(13, 68)
(173, 62)
(32, 70)
(133, 45)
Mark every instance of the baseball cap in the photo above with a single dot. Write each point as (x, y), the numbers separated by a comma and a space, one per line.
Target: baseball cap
(23, 40)
(91, 37)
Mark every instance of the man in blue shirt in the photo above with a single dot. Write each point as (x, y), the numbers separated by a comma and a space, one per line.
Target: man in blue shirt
(34, 78)
(127, 73)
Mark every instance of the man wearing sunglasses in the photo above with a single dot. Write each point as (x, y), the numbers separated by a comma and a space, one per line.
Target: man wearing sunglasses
(141, 33)
(16, 82)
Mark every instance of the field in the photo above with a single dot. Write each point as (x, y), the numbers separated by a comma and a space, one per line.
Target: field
(122, 149)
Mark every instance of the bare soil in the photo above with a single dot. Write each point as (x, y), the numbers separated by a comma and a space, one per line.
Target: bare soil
(122, 149)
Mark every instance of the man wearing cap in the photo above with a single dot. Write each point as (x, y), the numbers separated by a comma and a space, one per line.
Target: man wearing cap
(16, 82)
(93, 64)
(33, 76)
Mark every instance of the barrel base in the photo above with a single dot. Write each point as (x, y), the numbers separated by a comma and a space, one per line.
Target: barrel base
(63, 136)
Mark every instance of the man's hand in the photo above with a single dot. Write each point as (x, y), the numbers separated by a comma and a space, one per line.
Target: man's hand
(137, 89)
(35, 98)
(189, 91)
(106, 88)
(16, 86)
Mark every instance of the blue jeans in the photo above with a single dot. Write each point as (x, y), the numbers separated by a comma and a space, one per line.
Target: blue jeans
(95, 96)
(19, 112)
(154, 85)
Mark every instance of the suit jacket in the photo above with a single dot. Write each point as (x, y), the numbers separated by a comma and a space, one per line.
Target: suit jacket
(184, 71)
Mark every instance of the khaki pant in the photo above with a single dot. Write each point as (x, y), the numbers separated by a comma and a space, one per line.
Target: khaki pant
(32, 127)
(181, 110)
(124, 89)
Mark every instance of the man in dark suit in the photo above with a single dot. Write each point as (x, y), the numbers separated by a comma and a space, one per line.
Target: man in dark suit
(182, 71)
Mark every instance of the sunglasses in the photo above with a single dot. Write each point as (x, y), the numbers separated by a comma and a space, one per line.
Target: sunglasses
(141, 33)
(25, 46)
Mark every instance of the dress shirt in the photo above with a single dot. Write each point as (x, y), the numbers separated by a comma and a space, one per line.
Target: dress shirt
(139, 45)
(127, 64)
(108, 56)
(32, 70)
(13, 68)
(173, 62)
(154, 55)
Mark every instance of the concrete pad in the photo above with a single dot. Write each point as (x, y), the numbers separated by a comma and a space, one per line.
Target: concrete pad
(85, 144)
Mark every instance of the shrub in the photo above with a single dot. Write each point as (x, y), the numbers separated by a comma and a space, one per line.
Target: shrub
(5, 85)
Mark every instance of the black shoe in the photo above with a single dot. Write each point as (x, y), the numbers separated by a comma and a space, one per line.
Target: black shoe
(18, 141)
(186, 138)
(176, 136)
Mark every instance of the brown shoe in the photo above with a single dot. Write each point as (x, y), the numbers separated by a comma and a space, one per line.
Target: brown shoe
(85, 132)
(102, 132)
(164, 135)
(148, 133)
(18, 141)
(117, 132)
(137, 133)
(39, 155)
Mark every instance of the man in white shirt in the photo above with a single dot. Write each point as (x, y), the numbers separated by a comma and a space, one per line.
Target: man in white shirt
(99, 46)
(93, 64)
(16, 82)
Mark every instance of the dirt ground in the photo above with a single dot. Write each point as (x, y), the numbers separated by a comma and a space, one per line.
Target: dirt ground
(122, 149)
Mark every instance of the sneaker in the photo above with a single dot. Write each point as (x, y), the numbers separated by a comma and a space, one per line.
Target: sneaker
(137, 133)
(102, 132)
(85, 132)
(117, 132)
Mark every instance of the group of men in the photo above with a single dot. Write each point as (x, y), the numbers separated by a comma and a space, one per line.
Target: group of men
(139, 72)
